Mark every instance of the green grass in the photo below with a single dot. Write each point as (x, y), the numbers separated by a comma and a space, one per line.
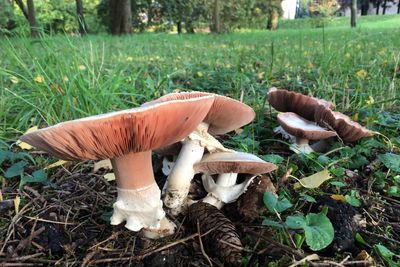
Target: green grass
(356, 68)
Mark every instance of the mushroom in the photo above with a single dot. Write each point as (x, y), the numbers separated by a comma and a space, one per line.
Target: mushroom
(225, 115)
(127, 138)
(347, 129)
(304, 130)
(288, 101)
(228, 166)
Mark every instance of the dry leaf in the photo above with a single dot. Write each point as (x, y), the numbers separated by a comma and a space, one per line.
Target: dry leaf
(312, 257)
(364, 256)
(338, 198)
(1, 196)
(102, 164)
(24, 145)
(313, 181)
(17, 201)
(56, 164)
(109, 176)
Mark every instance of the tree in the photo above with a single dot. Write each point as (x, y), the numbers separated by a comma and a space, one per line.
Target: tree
(29, 15)
(216, 21)
(81, 19)
(274, 11)
(353, 19)
(121, 17)
(364, 7)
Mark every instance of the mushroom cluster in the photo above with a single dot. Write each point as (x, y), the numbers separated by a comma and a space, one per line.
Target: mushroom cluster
(184, 122)
(303, 118)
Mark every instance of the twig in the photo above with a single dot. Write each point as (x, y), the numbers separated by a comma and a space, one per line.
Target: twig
(49, 221)
(201, 244)
(23, 258)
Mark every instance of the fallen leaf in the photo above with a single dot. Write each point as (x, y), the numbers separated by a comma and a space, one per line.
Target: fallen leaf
(313, 181)
(102, 164)
(56, 164)
(39, 79)
(109, 176)
(1, 196)
(312, 257)
(338, 198)
(364, 256)
(24, 145)
(17, 201)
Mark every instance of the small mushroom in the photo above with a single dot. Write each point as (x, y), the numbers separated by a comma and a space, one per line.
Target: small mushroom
(225, 115)
(228, 166)
(347, 129)
(304, 130)
(127, 138)
(288, 101)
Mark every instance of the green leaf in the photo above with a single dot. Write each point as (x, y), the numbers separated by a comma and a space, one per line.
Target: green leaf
(337, 172)
(358, 161)
(15, 169)
(337, 183)
(276, 159)
(38, 176)
(391, 161)
(307, 198)
(268, 222)
(361, 240)
(394, 191)
(353, 198)
(296, 222)
(3, 156)
(319, 231)
(388, 255)
(274, 204)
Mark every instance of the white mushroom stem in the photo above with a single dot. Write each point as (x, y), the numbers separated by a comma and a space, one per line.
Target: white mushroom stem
(225, 190)
(139, 198)
(301, 146)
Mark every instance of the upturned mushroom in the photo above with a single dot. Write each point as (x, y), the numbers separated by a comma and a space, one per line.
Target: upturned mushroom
(225, 115)
(304, 130)
(127, 138)
(228, 166)
(289, 101)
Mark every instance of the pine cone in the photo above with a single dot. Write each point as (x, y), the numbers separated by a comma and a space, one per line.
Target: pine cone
(209, 217)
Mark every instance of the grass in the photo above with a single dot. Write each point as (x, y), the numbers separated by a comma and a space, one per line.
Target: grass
(53, 79)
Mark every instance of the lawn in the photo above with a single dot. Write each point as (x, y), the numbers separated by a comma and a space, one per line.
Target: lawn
(53, 79)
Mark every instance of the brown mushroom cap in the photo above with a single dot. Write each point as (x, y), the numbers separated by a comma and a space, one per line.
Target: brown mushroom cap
(225, 115)
(118, 133)
(346, 128)
(302, 128)
(288, 101)
(227, 162)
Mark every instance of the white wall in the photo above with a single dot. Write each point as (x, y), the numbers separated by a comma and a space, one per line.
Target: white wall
(289, 9)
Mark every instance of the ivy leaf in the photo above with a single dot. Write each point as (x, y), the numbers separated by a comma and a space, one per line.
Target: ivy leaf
(391, 161)
(319, 231)
(274, 204)
(353, 198)
(307, 198)
(16, 169)
(38, 176)
(268, 222)
(296, 222)
(276, 159)
(3, 156)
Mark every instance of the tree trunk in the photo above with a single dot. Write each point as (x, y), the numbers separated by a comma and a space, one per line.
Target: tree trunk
(189, 26)
(216, 23)
(353, 19)
(121, 17)
(384, 7)
(81, 18)
(398, 8)
(378, 4)
(364, 7)
(179, 27)
(32, 19)
(273, 20)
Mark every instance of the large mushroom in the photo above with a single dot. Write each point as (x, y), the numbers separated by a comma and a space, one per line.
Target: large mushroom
(127, 138)
(228, 166)
(225, 115)
(304, 130)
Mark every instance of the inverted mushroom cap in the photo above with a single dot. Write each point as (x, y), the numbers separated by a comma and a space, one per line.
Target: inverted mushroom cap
(288, 101)
(225, 115)
(346, 128)
(302, 128)
(118, 133)
(226, 162)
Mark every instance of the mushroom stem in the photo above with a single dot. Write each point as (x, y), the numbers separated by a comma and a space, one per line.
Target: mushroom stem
(182, 173)
(301, 146)
(227, 179)
(139, 198)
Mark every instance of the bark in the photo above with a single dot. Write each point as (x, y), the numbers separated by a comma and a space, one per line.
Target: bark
(32, 19)
(353, 19)
(384, 7)
(364, 7)
(189, 27)
(179, 27)
(398, 8)
(81, 19)
(216, 22)
(121, 17)
(273, 19)
(378, 4)
(21, 5)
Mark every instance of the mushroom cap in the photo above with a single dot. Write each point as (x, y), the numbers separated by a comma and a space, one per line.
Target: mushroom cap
(346, 128)
(227, 162)
(118, 133)
(302, 128)
(288, 101)
(225, 115)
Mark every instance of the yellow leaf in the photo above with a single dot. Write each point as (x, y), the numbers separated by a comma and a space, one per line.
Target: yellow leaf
(17, 201)
(313, 181)
(312, 257)
(82, 67)
(56, 164)
(338, 198)
(102, 164)
(110, 176)
(14, 79)
(39, 79)
(1, 196)
(362, 73)
(24, 145)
